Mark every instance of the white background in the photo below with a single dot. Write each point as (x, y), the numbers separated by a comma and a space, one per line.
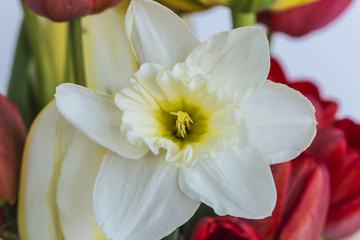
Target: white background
(330, 56)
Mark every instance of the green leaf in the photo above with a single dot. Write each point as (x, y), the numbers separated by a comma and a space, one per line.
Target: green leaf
(250, 5)
(19, 90)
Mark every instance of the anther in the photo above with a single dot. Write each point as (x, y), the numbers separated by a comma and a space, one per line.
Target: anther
(182, 123)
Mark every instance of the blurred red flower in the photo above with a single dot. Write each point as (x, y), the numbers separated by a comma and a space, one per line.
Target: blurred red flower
(225, 228)
(64, 10)
(302, 20)
(338, 146)
(12, 139)
(303, 198)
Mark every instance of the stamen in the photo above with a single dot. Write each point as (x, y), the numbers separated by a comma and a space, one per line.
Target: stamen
(182, 123)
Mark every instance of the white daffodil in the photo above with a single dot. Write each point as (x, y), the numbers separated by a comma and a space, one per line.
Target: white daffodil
(198, 123)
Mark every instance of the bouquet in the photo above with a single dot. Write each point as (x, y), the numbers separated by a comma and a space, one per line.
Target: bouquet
(118, 123)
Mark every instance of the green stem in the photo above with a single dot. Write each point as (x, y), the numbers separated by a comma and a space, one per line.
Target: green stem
(242, 19)
(69, 65)
(46, 77)
(75, 32)
(19, 89)
(269, 35)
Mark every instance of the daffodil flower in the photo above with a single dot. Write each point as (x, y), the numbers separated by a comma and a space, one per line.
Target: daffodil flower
(199, 122)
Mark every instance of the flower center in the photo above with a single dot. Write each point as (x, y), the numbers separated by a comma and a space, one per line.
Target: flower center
(183, 123)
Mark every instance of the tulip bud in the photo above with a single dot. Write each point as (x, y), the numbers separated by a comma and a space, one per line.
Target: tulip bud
(64, 10)
(292, 21)
(12, 138)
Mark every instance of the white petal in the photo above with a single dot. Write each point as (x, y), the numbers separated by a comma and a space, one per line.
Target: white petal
(137, 96)
(37, 210)
(235, 181)
(147, 78)
(157, 34)
(237, 61)
(97, 117)
(109, 58)
(281, 121)
(138, 120)
(140, 199)
(75, 188)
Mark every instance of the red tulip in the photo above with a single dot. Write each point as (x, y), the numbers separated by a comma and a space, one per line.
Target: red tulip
(303, 198)
(64, 10)
(339, 148)
(300, 212)
(302, 20)
(224, 228)
(12, 139)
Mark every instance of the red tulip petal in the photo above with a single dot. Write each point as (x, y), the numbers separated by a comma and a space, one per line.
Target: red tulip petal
(12, 138)
(224, 228)
(302, 20)
(276, 73)
(352, 132)
(302, 167)
(308, 217)
(344, 213)
(325, 110)
(348, 185)
(329, 147)
(267, 227)
(343, 221)
(65, 10)
(203, 228)
(306, 88)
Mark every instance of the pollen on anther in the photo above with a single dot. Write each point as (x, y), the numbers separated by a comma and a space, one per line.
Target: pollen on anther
(182, 124)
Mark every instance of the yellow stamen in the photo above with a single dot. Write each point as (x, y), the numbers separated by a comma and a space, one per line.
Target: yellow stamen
(182, 123)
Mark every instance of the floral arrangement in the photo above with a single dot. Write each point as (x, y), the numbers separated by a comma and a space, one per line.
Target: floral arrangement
(120, 124)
